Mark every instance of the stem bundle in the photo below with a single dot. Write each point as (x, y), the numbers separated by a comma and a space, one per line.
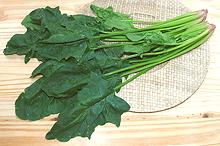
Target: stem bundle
(191, 25)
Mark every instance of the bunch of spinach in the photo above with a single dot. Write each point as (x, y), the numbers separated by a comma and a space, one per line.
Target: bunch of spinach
(81, 72)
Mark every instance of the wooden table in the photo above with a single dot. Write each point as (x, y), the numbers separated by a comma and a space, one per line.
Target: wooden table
(195, 122)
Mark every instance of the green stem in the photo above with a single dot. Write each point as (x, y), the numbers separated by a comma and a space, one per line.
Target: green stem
(192, 31)
(180, 21)
(198, 27)
(119, 37)
(168, 50)
(165, 25)
(131, 79)
(188, 14)
(186, 26)
(191, 34)
(116, 40)
(170, 56)
(140, 21)
(143, 59)
(117, 45)
(144, 69)
(144, 63)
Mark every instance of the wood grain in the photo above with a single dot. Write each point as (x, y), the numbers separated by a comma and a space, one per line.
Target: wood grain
(195, 122)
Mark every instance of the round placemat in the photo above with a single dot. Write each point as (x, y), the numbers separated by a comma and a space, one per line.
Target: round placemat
(171, 83)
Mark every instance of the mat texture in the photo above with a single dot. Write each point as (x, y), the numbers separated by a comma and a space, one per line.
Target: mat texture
(171, 83)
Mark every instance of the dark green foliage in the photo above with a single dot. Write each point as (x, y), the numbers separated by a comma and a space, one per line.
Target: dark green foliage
(94, 105)
(35, 104)
(80, 72)
(48, 34)
(113, 19)
(67, 80)
(72, 72)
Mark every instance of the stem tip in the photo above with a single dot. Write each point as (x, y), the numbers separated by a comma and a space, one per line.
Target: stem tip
(212, 26)
(204, 14)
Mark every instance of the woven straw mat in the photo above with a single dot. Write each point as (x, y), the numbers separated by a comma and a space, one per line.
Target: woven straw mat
(171, 83)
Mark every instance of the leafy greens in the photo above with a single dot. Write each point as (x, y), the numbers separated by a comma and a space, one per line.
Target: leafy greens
(81, 71)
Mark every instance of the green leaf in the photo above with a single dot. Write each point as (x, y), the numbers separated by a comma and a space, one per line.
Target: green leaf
(48, 25)
(94, 105)
(21, 44)
(64, 37)
(17, 45)
(48, 18)
(106, 60)
(103, 13)
(66, 81)
(34, 104)
(86, 20)
(119, 22)
(61, 51)
(38, 106)
(138, 49)
(25, 44)
(28, 23)
(35, 109)
(62, 79)
(113, 19)
(47, 68)
(135, 37)
(169, 40)
(84, 26)
(158, 38)
(152, 37)
(160, 48)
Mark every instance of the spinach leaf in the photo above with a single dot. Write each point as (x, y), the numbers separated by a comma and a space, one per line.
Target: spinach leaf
(28, 23)
(46, 18)
(94, 105)
(135, 37)
(21, 44)
(153, 37)
(138, 49)
(34, 104)
(48, 34)
(110, 59)
(64, 37)
(105, 60)
(60, 51)
(47, 68)
(113, 19)
(66, 81)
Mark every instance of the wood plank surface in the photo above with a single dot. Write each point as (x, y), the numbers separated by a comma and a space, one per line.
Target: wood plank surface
(195, 122)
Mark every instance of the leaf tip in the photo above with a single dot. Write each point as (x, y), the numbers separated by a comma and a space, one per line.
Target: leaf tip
(49, 136)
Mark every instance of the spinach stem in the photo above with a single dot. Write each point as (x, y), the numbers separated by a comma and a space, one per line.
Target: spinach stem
(195, 33)
(156, 26)
(117, 45)
(192, 31)
(170, 56)
(199, 27)
(132, 78)
(144, 69)
(187, 26)
(116, 40)
(200, 12)
(144, 63)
